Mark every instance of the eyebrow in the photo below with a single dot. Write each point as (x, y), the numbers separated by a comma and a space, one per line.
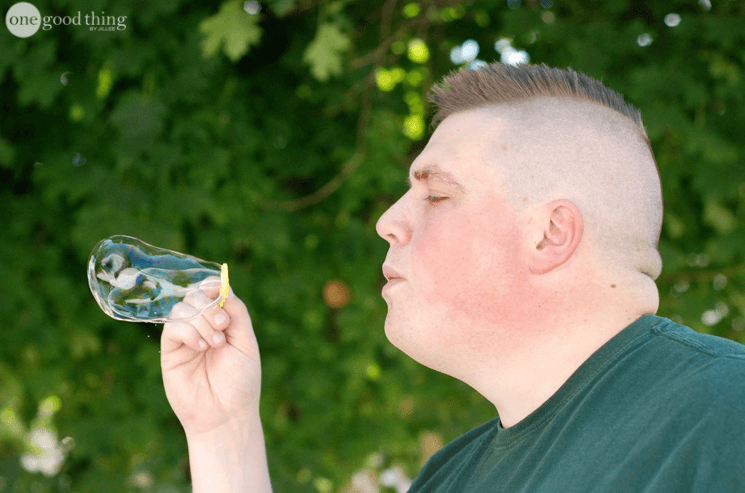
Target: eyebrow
(433, 172)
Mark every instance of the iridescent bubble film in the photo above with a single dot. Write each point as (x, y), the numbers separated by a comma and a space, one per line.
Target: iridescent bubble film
(137, 282)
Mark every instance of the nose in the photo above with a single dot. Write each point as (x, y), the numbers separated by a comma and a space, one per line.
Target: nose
(394, 225)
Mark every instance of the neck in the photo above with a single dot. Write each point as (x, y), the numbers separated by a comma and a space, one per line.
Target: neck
(527, 382)
(547, 349)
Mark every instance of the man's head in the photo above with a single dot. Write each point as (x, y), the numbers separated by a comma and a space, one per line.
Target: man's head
(555, 217)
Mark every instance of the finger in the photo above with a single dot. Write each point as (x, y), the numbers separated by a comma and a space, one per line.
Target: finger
(240, 332)
(177, 334)
(211, 286)
(239, 320)
(217, 317)
(195, 302)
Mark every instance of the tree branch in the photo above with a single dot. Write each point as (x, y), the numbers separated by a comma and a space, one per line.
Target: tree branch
(347, 169)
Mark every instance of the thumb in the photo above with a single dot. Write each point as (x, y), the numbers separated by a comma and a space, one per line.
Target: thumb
(240, 332)
(237, 311)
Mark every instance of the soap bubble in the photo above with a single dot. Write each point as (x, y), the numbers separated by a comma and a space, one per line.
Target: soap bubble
(137, 282)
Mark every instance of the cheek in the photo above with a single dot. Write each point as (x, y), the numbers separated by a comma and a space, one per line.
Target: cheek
(469, 265)
(443, 258)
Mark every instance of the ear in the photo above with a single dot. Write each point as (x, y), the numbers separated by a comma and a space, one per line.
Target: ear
(560, 225)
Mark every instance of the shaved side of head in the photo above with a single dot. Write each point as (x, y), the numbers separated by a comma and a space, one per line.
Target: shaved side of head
(570, 137)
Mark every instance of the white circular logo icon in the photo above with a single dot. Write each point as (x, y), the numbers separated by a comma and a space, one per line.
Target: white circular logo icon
(23, 19)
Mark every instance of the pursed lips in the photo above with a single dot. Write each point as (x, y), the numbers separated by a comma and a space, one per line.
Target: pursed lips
(391, 273)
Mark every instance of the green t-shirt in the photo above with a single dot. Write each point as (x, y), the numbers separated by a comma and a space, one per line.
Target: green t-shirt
(659, 408)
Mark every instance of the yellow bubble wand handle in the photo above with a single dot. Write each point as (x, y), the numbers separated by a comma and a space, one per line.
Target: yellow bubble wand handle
(224, 283)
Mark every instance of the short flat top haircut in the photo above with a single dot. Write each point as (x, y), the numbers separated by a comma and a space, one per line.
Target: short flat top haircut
(570, 137)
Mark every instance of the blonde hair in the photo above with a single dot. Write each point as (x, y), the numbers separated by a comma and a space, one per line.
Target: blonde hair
(568, 136)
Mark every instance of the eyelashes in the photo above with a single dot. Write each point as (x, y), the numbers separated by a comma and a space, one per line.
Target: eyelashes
(433, 200)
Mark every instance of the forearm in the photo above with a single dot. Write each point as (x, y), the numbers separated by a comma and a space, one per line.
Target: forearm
(232, 460)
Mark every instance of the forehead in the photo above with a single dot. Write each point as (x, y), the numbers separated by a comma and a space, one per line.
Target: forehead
(461, 147)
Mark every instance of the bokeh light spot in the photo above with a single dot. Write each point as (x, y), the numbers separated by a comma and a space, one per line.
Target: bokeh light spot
(405, 407)
(672, 20)
(373, 371)
(76, 113)
(455, 55)
(336, 294)
(323, 485)
(644, 40)
(304, 475)
(429, 444)
(384, 80)
(481, 18)
(477, 65)
(510, 55)
(105, 81)
(414, 127)
(252, 7)
(141, 480)
(49, 406)
(720, 282)
(411, 10)
(414, 78)
(502, 43)
(418, 51)
(469, 50)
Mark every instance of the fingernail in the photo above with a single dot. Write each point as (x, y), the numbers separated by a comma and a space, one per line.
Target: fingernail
(220, 319)
(202, 344)
(218, 337)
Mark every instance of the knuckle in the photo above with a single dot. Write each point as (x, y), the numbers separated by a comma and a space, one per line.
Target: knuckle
(196, 298)
(210, 284)
(182, 309)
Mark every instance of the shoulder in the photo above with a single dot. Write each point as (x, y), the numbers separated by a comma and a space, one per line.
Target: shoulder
(704, 343)
(708, 370)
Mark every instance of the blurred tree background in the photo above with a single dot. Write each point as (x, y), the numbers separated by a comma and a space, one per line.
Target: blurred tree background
(272, 136)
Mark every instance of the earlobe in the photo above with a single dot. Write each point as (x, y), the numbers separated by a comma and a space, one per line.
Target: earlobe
(561, 237)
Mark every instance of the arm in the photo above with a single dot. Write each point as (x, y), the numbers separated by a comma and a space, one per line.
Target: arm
(230, 460)
(214, 387)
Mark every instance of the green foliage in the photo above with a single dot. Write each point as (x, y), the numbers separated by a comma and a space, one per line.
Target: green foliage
(324, 54)
(277, 153)
(231, 27)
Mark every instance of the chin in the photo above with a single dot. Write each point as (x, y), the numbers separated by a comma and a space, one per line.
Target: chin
(414, 344)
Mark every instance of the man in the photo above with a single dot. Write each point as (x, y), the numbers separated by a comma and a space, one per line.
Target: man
(522, 261)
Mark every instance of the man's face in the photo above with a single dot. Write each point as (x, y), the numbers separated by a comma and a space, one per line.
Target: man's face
(463, 257)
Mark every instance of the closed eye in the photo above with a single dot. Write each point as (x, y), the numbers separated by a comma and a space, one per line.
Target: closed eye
(433, 200)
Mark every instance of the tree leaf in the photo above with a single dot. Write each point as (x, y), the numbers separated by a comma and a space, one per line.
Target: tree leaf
(324, 53)
(232, 26)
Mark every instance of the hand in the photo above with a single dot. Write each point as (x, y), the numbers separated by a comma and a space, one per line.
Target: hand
(220, 383)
